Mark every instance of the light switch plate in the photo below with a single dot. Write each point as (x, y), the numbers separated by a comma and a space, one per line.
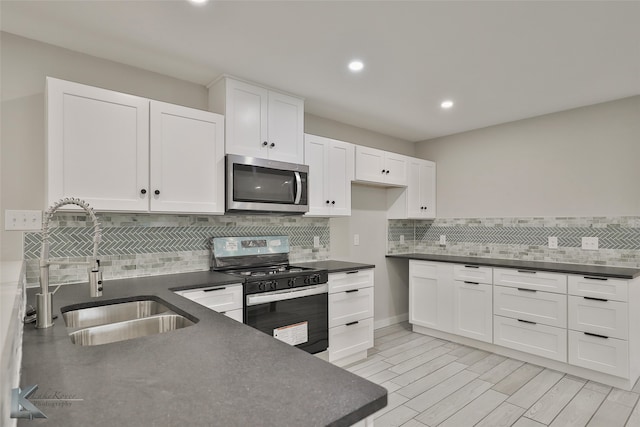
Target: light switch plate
(22, 220)
(553, 242)
(590, 243)
(316, 241)
(356, 240)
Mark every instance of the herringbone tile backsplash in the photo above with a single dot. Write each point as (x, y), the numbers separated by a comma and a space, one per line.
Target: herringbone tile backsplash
(523, 238)
(138, 244)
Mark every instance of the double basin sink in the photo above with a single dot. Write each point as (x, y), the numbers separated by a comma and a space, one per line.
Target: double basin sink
(119, 321)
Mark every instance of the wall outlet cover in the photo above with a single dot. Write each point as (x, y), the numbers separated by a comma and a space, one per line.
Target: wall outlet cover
(316, 241)
(356, 240)
(402, 238)
(590, 243)
(553, 242)
(443, 239)
(22, 220)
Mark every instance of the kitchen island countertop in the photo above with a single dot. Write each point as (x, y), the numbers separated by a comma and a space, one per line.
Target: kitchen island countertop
(217, 372)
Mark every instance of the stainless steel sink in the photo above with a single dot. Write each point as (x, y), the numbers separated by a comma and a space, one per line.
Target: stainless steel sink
(129, 329)
(119, 321)
(119, 312)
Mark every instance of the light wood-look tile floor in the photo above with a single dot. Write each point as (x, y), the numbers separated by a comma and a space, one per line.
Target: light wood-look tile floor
(433, 382)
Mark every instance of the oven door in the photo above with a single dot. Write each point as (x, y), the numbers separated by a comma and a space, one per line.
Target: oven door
(266, 185)
(298, 317)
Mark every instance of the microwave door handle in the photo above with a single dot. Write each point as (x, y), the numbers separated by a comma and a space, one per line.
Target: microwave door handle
(298, 188)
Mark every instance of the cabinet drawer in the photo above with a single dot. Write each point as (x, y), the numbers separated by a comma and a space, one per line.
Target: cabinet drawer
(534, 338)
(529, 279)
(608, 355)
(349, 339)
(349, 306)
(540, 307)
(234, 314)
(423, 269)
(472, 273)
(218, 298)
(598, 287)
(602, 317)
(356, 279)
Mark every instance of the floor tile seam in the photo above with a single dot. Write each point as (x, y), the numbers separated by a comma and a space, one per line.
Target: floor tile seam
(468, 403)
(438, 383)
(444, 397)
(571, 400)
(539, 373)
(417, 366)
(418, 355)
(418, 379)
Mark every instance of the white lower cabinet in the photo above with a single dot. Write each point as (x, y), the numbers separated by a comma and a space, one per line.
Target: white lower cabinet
(351, 297)
(473, 310)
(602, 317)
(526, 304)
(226, 300)
(600, 353)
(531, 337)
(431, 295)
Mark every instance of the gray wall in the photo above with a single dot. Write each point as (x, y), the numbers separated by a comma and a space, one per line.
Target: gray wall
(581, 162)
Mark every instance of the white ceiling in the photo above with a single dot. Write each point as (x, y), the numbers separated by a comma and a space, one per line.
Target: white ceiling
(499, 61)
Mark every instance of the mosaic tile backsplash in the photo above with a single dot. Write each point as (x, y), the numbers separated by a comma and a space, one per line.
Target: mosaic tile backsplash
(148, 244)
(523, 238)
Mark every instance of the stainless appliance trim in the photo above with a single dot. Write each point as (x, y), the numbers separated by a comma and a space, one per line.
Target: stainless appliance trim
(283, 295)
(298, 188)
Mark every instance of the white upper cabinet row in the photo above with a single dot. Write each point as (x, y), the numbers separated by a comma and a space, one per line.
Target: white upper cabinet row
(259, 122)
(122, 152)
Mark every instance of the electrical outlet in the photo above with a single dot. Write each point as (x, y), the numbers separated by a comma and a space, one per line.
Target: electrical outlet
(402, 239)
(316, 241)
(553, 242)
(443, 239)
(356, 240)
(22, 220)
(590, 243)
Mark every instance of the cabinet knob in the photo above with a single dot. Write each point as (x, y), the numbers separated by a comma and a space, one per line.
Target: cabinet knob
(143, 191)
(333, 203)
(264, 143)
(384, 170)
(387, 172)
(327, 202)
(157, 192)
(273, 144)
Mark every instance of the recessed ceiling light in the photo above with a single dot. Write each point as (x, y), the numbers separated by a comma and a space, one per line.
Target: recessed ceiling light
(446, 104)
(356, 66)
(199, 1)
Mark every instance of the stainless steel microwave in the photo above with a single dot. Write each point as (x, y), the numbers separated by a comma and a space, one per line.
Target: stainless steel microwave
(262, 186)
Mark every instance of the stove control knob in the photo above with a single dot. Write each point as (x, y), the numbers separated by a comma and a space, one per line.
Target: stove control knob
(272, 285)
(292, 282)
(261, 286)
(315, 279)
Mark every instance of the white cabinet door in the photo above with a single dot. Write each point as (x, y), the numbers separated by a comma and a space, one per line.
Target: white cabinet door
(330, 175)
(187, 160)
(472, 310)
(370, 164)
(396, 169)
(285, 128)
(98, 146)
(427, 192)
(246, 119)
(431, 295)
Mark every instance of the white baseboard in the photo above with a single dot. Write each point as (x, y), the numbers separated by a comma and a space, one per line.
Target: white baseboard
(381, 323)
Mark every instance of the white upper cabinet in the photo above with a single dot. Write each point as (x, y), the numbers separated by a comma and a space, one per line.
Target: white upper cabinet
(259, 122)
(331, 164)
(380, 167)
(421, 189)
(187, 159)
(121, 152)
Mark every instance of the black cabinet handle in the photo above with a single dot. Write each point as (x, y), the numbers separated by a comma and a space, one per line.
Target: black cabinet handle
(596, 335)
(264, 143)
(352, 323)
(596, 278)
(526, 271)
(352, 290)
(596, 299)
(527, 290)
(143, 191)
(527, 321)
(273, 144)
(157, 192)
(214, 289)
(471, 283)
(352, 272)
(471, 266)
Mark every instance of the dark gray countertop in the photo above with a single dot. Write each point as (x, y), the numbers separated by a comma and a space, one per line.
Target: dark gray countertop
(591, 270)
(217, 372)
(335, 266)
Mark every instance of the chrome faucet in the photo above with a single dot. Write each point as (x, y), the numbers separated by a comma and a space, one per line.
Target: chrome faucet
(44, 313)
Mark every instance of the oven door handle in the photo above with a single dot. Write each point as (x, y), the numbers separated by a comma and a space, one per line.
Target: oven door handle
(267, 297)
(298, 188)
